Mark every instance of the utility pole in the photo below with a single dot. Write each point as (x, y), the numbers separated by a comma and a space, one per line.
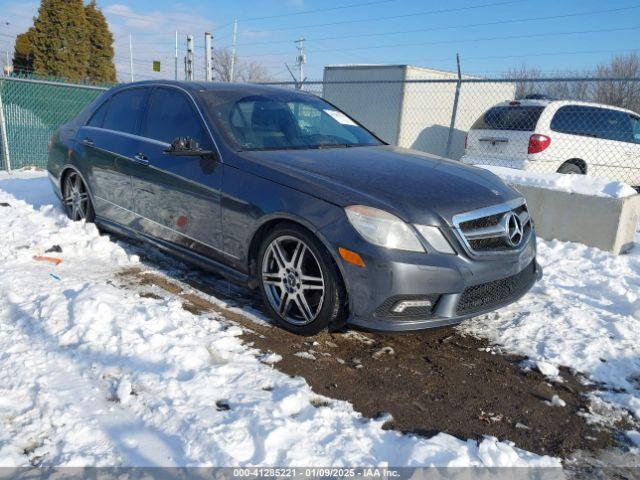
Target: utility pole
(207, 56)
(301, 60)
(189, 59)
(131, 55)
(176, 58)
(233, 50)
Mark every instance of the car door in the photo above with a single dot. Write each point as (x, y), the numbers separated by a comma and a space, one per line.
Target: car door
(177, 198)
(110, 143)
(576, 136)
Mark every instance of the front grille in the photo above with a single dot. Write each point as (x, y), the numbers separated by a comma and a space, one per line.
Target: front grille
(486, 230)
(491, 294)
(385, 309)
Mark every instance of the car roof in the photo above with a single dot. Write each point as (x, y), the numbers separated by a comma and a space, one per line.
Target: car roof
(561, 103)
(199, 87)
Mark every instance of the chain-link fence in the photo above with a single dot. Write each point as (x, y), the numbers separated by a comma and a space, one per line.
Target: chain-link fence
(30, 111)
(567, 125)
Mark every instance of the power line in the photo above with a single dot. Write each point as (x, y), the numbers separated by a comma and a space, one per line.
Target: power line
(510, 37)
(450, 27)
(317, 10)
(375, 19)
(458, 41)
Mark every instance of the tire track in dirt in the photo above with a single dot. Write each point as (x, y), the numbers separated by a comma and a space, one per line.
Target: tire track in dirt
(436, 381)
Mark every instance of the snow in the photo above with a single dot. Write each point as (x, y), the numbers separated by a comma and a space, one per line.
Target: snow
(583, 314)
(582, 184)
(92, 374)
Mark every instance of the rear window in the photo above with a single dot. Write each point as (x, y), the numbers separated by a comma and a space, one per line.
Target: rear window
(511, 117)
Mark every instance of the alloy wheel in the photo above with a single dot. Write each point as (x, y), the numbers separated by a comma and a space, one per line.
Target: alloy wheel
(293, 280)
(76, 197)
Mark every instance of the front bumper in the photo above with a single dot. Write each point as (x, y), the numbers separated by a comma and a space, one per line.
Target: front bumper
(460, 286)
(453, 308)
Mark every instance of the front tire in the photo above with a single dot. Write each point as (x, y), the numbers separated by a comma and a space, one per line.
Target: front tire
(300, 284)
(76, 199)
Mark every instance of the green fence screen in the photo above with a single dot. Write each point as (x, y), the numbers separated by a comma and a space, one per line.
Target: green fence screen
(33, 110)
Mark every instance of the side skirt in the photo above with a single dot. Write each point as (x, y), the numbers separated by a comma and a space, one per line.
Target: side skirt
(180, 252)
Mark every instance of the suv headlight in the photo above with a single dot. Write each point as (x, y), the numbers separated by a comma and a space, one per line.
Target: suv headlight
(383, 229)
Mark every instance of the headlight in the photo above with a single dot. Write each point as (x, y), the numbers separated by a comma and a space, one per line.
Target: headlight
(435, 238)
(382, 228)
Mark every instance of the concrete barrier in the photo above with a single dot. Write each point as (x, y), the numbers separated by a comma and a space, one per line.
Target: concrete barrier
(605, 223)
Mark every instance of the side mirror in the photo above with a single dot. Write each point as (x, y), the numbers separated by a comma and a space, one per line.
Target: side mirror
(187, 147)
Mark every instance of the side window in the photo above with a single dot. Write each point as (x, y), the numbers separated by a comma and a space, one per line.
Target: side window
(635, 127)
(615, 125)
(577, 120)
(171, 115)
(97, 119)
(125, 110)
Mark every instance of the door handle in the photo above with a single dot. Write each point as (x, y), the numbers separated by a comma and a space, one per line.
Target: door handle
(88, 142)
(141, 159)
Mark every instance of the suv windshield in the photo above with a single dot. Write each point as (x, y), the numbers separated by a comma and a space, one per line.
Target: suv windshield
(282, 121)
(512, 117)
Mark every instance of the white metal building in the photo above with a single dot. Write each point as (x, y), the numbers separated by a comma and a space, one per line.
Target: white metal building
(412, 115)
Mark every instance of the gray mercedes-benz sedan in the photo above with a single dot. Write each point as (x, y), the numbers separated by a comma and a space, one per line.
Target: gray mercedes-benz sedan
(281, 191)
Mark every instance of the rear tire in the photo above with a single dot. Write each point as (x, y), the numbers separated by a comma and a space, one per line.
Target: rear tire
(76, 199)
(570, 169)
(299, 281)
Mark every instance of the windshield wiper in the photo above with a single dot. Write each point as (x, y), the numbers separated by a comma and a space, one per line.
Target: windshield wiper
(319, 146)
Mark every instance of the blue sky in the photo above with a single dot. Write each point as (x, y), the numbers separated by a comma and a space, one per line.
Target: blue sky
(490, 35)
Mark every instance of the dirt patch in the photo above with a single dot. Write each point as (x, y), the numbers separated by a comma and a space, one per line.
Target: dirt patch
(437, 381)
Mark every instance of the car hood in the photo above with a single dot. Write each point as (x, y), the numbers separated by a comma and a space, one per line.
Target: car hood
(413, 185)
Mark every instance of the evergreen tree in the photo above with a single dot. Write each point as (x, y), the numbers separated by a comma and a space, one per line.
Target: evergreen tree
(100, 68)
(23, 54)
(61, 46)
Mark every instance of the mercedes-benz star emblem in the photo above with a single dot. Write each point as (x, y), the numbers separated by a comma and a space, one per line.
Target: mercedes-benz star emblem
(513, 229)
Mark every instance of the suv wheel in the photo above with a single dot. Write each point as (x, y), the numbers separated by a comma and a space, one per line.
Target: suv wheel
(77, 202)
(300, 284)
(570, 169)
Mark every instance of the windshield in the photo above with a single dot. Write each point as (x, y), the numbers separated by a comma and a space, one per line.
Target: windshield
(283, 122)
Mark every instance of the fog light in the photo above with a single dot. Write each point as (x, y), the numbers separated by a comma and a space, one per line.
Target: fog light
(402, 306)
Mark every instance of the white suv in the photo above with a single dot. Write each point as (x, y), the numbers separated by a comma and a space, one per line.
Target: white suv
(558, 136)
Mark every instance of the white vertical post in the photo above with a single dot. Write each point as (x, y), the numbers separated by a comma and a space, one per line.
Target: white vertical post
(233, 51)
(176, 58)
(131, 56)
(207, 56)
(5, 138)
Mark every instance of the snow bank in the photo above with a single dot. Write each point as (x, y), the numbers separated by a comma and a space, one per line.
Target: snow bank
(584, 314)
(599, 187)
(93, 375)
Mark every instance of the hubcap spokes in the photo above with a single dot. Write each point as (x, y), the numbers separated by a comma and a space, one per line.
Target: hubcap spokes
(293, 280)
(76, 197)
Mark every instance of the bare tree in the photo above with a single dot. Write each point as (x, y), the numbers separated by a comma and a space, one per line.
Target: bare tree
(625, 94)
(621, 93)
(521, 75)
(526, 85)
(244, 71)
